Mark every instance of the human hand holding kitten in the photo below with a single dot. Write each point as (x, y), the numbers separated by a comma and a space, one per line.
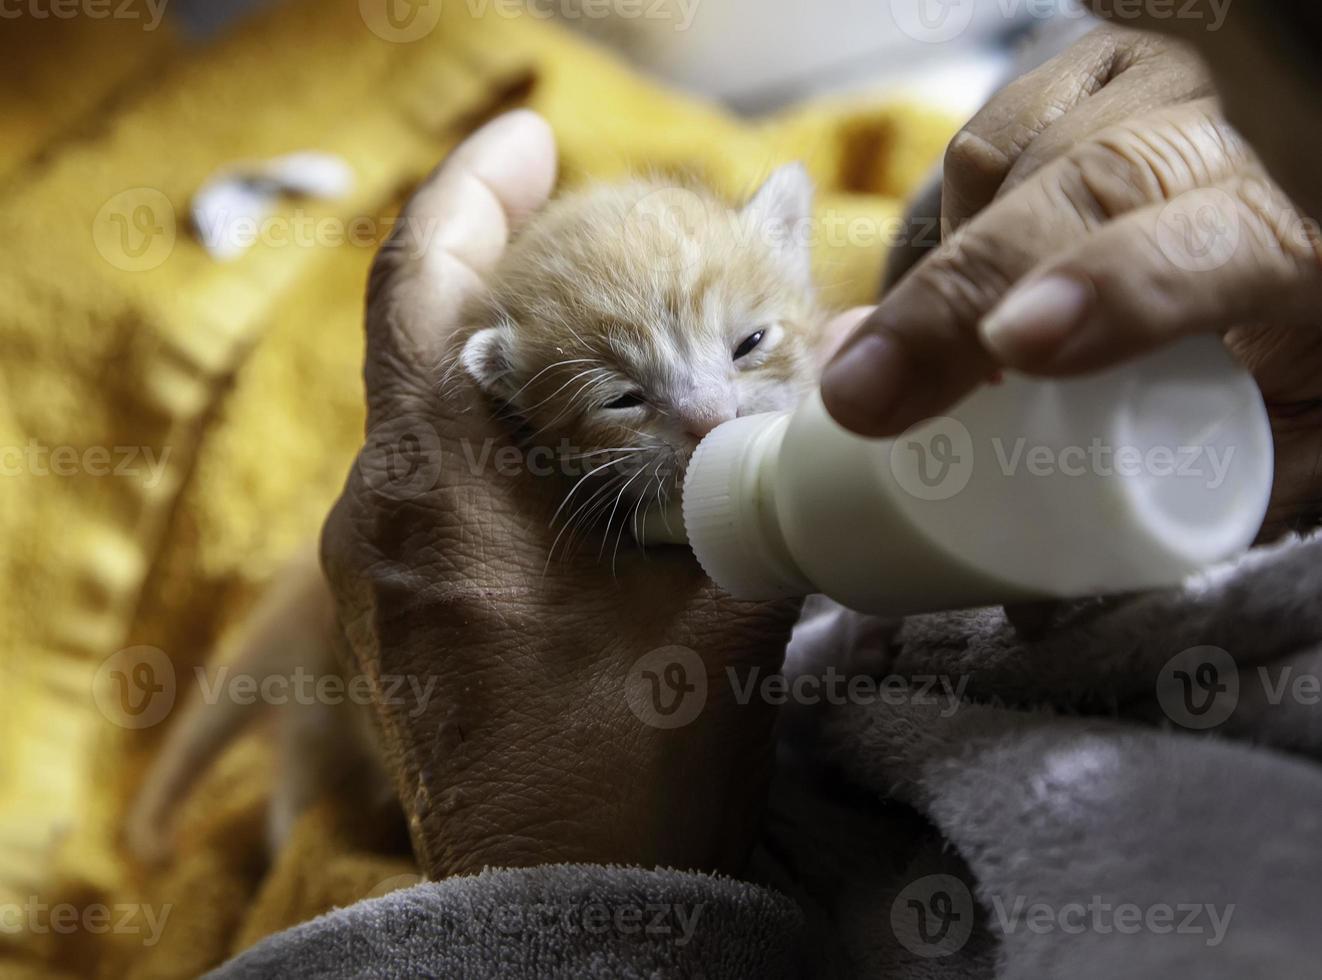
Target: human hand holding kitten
(622, 324)
(537, 748)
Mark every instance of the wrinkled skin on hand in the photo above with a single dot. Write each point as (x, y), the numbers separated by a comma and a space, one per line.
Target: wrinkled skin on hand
(1101, 207)
(1108, 77)
(1267, 69)
(540, 742)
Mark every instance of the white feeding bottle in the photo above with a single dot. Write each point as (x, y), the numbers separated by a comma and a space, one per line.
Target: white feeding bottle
(1129, 479)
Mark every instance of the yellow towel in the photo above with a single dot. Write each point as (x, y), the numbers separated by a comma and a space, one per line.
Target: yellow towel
(170, 428)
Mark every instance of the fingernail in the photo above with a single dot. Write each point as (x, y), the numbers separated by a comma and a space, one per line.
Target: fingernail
(840, 329)
(1034, 318)
(863, 385)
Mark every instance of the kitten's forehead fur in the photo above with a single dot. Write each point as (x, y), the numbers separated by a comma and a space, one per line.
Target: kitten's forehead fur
(646, 288)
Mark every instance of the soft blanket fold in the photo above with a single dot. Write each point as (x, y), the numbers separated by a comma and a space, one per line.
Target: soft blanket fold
(560, 921)
(924, 839)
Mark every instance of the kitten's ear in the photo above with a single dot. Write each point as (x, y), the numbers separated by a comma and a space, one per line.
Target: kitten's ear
(488, 359)
(782, 208)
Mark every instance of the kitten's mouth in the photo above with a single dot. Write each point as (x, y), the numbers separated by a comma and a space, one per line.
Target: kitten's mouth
(611, 504)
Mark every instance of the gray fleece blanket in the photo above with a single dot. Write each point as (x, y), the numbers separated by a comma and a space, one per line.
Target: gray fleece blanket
(1130, 791)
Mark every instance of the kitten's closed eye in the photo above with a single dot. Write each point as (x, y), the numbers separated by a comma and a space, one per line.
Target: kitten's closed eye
(631, 400)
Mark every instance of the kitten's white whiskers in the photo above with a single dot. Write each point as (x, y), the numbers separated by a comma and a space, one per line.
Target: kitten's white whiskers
(581, 374)
(598, 452)
(569, 523)
(574, 489)
(611, 519)
(576, 360)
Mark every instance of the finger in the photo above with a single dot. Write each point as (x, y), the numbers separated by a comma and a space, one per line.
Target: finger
(450, 235)
(1108, 77)
(920, 351)
(1209, 260)
(838, 330)
(982, 154)
(1148, 74)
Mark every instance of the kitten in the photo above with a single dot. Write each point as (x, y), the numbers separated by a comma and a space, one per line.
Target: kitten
(290, 638)
(629, 321)
(625, 322)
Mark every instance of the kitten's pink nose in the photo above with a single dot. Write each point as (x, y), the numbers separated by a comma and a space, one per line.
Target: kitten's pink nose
(699, 424)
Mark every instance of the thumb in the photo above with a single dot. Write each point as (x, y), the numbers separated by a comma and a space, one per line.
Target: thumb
(449, 236)
(838, 330)
(1210, 259)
